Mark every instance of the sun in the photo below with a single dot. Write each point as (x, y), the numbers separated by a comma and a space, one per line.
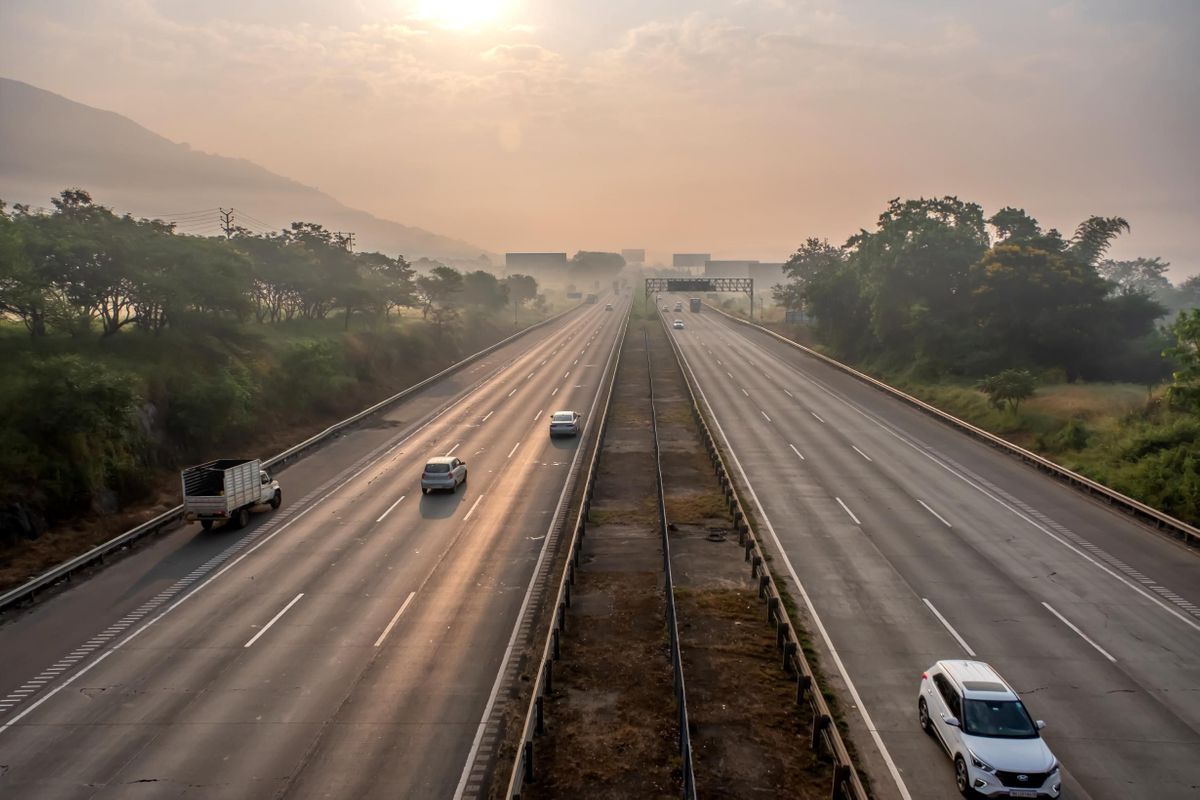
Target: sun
(461, 13)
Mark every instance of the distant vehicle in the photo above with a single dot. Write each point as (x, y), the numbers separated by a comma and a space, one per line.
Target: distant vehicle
(591, 298)
(678, 325)
(666, 308)
(564, 423)
(574, 295)
(981, 723)
(443, 472)
(227, 490)
(679, 305)
(695, 305)
(608, 307)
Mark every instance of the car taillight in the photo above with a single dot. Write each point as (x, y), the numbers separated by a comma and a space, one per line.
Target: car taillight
(924, 676)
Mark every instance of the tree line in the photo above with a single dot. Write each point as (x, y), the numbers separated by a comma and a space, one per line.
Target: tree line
(939, 288)
(82, 268)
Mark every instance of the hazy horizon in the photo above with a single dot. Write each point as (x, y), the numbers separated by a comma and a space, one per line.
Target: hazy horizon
(737, 128)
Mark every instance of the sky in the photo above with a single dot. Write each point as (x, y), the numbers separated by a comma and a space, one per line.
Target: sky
(736, 127)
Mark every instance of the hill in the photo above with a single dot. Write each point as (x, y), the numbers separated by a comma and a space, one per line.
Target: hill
(50, 143)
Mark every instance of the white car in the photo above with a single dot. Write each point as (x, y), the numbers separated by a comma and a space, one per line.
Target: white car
(997, 748)
(564, 423)
(678, 325)
(443, 472)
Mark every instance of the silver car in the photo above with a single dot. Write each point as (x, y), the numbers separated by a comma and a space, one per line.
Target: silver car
(564, 423)
(443, 472)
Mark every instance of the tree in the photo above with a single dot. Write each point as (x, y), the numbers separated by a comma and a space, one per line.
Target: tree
(1145, 275)
(589, 267)
(438, 289)
(1184, 391)
(1009, 387)
(484, 291)
(389, 280)
(522, 289)
(1093, 237)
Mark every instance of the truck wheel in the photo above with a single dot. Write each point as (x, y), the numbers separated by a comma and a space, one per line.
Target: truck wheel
(242, 519)
(206, 524)
(277, 500)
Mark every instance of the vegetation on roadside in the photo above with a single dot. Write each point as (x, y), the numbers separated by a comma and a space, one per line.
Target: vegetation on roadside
(127, 350)
(1023, 332)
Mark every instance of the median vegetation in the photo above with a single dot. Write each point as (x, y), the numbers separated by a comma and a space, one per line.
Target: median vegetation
(1020, 330)
(127, 350)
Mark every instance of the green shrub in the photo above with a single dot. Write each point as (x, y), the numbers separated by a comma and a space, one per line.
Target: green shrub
(207, 406)
(311, 375)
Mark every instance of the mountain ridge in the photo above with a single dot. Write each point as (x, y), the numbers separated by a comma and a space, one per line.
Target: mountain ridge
(51, 143)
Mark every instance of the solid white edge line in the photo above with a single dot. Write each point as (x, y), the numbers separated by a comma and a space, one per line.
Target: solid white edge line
(946, 624)
(1082, 635)
(861, 453)
(395, 619)
(808, 604)
(510, 452)
(797, 452)
(392, 506)
(931, 511)
(895, 433)
(200, 586)
(846, 508)
(516, 631)
(274, 619)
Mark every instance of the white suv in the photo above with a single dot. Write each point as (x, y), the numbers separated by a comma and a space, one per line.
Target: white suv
(994, 743)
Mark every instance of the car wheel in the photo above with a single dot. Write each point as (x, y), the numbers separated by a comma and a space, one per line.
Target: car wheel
(206, 524)
(923, 716)
(277, 499)
(242, 519)
(961, 779)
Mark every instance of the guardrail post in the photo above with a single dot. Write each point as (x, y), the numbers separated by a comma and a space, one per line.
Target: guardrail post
(820, 724)
(803, 684)
(562, 616)
(789, 654)
(841, 776)
(556, 650)
(528, 762)
(755, 561)
(549, 669)
(749, 545)
(764, 580)
(772, 608)
(540, 726)
(567, 594)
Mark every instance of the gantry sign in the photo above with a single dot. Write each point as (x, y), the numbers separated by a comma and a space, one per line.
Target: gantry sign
(697, 285)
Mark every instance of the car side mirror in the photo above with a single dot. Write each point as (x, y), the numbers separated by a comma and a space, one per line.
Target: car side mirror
(462, 463)
(950, 720)
(1041, 723)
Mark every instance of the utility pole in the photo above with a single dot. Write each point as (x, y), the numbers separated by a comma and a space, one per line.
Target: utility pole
(227, 222)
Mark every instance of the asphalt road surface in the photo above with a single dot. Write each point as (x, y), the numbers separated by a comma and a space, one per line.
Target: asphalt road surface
(914, 542)
(344, 646)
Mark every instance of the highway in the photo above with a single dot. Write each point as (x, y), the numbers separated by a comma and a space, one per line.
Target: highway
(348, 645)
(912, 542)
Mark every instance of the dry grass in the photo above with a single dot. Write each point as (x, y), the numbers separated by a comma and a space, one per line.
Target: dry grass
(696, 507)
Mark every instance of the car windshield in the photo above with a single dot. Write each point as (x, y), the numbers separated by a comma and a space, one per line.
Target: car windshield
(435, 468)
(1005, 719)
(562, 416)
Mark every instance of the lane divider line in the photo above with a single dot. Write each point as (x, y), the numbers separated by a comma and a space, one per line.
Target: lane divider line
(797, 452)
(450, 452)
(931, 511)
(274, 619)
(535, 416)
(510, 452)
(389, 510)
(1082, 635)
(474, 506)
(768, 419)
(847, 510)
(946, 624)
(486, 416)
(395, 619)
(861, 453)
(818, 416)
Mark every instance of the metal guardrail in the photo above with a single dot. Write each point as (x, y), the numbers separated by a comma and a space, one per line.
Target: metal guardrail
(522, 770)
(825, 738)
(1147, 514)
(685, 738)
(28, 590)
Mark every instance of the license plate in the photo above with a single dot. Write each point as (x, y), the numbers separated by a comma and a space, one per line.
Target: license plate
(1022, 792)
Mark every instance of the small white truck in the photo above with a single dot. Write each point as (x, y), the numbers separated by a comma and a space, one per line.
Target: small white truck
(227, 490)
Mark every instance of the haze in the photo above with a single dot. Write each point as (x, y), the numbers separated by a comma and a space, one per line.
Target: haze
(735, 128)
